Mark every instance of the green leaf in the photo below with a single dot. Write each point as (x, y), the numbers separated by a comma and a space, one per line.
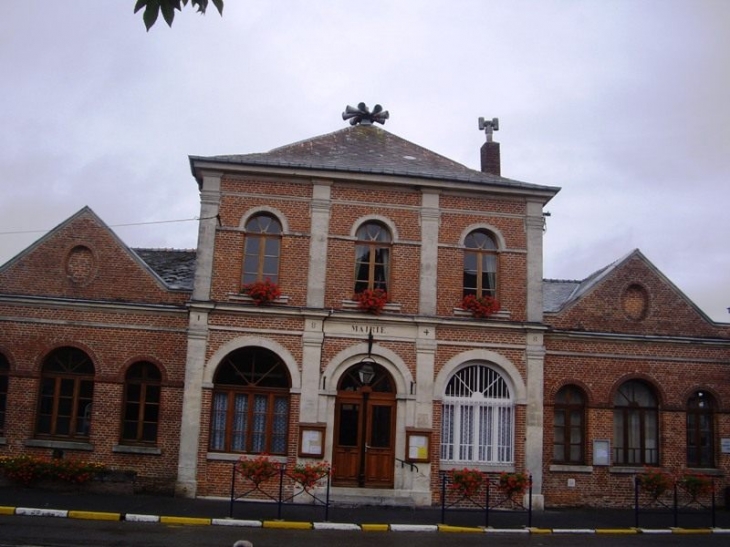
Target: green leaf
(140, 5)
(150, 13)
(219, 5)
(168, 11)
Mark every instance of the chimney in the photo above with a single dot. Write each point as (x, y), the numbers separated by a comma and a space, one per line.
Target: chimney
(490, 150)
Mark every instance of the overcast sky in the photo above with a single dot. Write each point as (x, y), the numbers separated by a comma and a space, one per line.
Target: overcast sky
(623, 104)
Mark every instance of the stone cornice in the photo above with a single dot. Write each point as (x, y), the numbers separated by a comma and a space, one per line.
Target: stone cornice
(76, 304)
(622, 337)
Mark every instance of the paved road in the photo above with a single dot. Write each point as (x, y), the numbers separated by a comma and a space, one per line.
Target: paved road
(20, 531)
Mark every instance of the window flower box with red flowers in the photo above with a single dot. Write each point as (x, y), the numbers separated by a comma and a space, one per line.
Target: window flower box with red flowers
(696, 484)
(654, 482)
(262, 292)
(466, 482)
(513, 484)
(480, 306)
(371, 300)
(309, 474)
(257, 470)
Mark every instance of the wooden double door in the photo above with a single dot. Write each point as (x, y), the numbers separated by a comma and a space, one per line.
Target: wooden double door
(364, 437)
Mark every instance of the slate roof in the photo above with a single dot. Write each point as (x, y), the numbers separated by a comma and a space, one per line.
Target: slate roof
(558, 293)
(372, 150)
(176, 267)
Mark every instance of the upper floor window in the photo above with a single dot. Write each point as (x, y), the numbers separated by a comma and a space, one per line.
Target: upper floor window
(250, 403)
(700, 430)
(142, 387)
(480, 264)
(4, 372)
(262, 249)
(66, 395)
(635, 425)
(477, 417)
(569, 426)
(372, 257)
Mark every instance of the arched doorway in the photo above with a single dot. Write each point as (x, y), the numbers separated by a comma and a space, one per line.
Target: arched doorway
(364, 440)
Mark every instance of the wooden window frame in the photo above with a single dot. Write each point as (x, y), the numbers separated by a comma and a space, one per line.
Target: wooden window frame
(74, 366)
(480, 253)
(373, 246)
(695, 413)
(4, 385)
(568, 409)
(145, 382)
(262, 238)
(624, 413)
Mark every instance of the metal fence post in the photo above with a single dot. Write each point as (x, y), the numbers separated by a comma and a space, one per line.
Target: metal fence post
(443, 498)
(233, 491)
(281, 490)
(636, 501)
(529, 506)
(327, 497)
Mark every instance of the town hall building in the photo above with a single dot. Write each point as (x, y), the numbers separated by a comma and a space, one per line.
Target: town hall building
(358, 299)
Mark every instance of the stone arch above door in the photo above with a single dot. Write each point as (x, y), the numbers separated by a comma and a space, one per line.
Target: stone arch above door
(384, 357)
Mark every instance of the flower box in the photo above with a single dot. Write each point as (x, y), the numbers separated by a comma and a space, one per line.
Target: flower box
(480, 306)
(371, 300)
(262, 292)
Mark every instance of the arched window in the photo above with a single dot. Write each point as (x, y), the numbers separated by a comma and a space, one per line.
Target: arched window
(66, 395)
(477, 417)
(142, 387)
(262, 249)
(4, 373)
(372, 257)
(700, 430)
(569, 426)
(480, 264)
(250, 403)
(635, 425)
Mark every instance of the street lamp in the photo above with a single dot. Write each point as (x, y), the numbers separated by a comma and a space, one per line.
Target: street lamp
(366, 373)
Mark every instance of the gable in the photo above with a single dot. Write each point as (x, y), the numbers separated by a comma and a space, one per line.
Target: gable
(630, 296)
(83, 259)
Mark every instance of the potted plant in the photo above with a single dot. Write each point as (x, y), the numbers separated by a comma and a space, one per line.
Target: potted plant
(654, 482)
(480, 306)
(257, 470)
(466, 482)
(309, 474)
(262, 292)
(371, 300)
(513, 484)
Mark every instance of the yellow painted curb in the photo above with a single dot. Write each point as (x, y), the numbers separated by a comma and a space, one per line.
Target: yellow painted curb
(94, 515)
(540, 530)
(691, 531)
(374, 527)
(619, 531)
(7, 510)
(287, 525)
(447, 528)
(185, 520)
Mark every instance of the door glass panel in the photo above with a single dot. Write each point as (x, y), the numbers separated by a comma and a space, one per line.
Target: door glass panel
(349, 419)
(380, 427)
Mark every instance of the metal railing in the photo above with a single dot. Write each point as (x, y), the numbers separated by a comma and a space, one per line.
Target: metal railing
(492, 493)
(673, 497)
(282, 487)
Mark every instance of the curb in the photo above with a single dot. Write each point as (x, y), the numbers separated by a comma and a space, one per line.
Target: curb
(342, 526)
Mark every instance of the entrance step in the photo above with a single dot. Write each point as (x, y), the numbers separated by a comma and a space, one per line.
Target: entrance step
(378, 496)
